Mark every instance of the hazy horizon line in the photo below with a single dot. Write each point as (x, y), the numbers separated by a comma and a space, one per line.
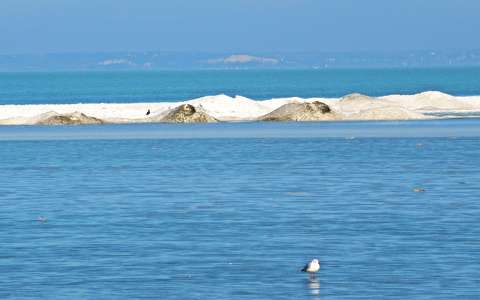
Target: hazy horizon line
(246, 52)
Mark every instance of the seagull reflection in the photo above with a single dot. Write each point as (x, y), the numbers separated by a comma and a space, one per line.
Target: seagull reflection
(314, 287)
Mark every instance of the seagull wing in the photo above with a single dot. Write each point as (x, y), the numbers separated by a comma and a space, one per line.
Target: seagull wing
(306, 267)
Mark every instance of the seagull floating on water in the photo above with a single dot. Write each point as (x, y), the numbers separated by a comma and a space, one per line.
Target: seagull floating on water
(312, 267)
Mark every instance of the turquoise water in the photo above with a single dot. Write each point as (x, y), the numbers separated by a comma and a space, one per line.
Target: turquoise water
(182, 85)
(234, 210)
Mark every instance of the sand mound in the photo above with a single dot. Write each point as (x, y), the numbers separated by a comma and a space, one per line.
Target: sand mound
(307, 111)
(428, 101)
(356, 98)
(226, 108)
(75, 118)
(185, 113)
(386, 113)
(356, 103)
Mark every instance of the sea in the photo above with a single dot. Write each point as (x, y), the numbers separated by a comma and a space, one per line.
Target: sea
(235, 210)
(157, 86)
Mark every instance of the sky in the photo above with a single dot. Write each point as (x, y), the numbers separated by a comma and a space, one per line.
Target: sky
(55, 26)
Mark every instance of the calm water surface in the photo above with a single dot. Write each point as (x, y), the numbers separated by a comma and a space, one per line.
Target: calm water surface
(236, 218)
(94, 87)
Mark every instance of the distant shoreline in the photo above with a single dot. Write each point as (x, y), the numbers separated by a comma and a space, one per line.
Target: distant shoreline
(243, 69)
(171, 60)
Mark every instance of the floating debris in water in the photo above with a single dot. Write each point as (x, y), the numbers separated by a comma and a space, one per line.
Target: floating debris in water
(419, 145)
(298, 194)
(42, 219)
(419, 190)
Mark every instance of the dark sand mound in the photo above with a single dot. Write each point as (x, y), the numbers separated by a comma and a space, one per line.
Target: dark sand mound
(307, 111)
(185, 113)
(75, 118)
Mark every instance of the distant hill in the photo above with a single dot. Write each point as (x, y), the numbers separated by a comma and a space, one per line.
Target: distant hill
(179, 61)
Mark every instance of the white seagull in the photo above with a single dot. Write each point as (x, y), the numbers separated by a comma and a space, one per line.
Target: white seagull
(312, 268)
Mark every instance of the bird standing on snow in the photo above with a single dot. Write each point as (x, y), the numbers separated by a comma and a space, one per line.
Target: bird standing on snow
(312, 268)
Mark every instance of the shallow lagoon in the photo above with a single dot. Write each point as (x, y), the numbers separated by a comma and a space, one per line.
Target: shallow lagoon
(389, 129)
(235, 210)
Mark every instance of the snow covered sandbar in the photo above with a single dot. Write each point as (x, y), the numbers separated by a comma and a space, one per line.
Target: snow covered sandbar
(225, 108)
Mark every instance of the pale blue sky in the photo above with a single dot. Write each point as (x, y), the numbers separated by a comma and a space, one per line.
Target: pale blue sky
(39, 26)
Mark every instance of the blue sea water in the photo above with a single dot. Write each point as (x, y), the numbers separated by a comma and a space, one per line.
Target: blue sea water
(234, 211)
(93, 87)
